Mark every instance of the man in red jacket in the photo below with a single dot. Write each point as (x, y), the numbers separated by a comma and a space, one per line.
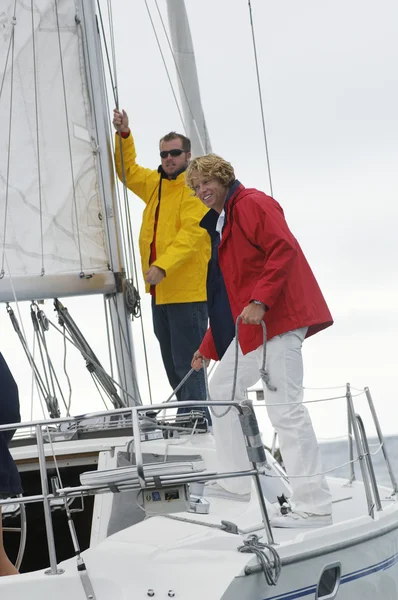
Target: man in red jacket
(259, 272)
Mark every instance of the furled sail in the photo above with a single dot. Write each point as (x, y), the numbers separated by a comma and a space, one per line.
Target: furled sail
(52, 239)
(184, 56)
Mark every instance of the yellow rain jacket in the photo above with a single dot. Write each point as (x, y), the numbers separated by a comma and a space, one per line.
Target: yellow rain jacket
(182, 246)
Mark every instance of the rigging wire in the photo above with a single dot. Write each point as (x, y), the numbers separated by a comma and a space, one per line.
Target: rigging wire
(89, 358)
(20, 330)
(39, 384)
(41, 326)
(113, 49)
(113, 84)
(126, 253)
(69, 138)
(125, 224)
(130, 249)
(108, 336)
(260, 97)
(165, 65)
(97, 385)
(37, 139)
(13, 23)
(32, 386)
(94, 137)
(67, 378)
(122, 340)
(6, 63)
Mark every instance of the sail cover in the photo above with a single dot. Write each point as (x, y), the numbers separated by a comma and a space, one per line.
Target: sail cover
(50, 209)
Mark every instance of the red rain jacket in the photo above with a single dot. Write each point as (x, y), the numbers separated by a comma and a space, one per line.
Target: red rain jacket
(260, 259)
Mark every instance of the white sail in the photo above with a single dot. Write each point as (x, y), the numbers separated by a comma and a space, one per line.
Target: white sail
(184, 56)
(50, 209)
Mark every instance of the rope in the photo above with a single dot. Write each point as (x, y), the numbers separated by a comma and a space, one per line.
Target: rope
(69, 139)
(37, 140)
(260, 97)
(125, 224)
(263, 371)
(126, 228)
(271, 566)
(165, 66)
(132, 299)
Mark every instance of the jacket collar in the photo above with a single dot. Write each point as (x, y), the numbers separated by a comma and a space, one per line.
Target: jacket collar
(173, 177)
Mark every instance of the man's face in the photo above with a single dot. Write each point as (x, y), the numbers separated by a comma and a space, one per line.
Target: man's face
(173, 164)
(212, 193)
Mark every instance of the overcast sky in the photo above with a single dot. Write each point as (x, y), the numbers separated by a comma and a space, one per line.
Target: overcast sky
(330, 90)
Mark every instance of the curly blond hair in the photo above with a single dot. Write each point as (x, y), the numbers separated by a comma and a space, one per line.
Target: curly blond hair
(213, 167)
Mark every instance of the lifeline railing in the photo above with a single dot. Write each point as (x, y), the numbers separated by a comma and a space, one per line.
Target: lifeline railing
(250, 429)
(357, 435)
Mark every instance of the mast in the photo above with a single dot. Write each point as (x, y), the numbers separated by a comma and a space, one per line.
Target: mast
(188, 83)
(124, 348)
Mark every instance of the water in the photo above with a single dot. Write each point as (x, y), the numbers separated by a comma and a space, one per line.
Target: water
(336, 453)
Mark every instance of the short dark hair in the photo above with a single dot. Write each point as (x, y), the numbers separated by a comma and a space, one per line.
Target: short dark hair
(186, 142)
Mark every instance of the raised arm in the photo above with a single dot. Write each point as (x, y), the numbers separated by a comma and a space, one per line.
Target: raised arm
(139, 180)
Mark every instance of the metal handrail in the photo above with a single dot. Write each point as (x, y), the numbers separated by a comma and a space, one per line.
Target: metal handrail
(356, 427)
(242, 410)
(381, 440)
(368, 477)
(369, 462)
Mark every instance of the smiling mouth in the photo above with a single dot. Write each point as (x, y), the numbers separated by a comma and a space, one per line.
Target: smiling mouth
(206, 198)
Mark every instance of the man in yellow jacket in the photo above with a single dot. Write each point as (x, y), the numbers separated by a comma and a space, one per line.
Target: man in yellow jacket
(174, 249)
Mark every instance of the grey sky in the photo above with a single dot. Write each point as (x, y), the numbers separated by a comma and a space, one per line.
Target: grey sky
(329, 80)
(330, 91)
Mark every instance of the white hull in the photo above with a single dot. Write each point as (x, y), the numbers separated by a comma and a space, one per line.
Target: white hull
(206, 565)
(191, 561)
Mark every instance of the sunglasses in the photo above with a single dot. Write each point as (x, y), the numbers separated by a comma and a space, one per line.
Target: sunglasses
(174, 152)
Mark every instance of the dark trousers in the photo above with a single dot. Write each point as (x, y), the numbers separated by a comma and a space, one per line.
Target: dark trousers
(180, 329)
(10, 482)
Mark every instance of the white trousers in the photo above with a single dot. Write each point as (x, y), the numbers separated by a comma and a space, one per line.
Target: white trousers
(297, 441)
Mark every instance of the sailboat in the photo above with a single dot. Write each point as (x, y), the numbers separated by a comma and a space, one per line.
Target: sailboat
(114, 502)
